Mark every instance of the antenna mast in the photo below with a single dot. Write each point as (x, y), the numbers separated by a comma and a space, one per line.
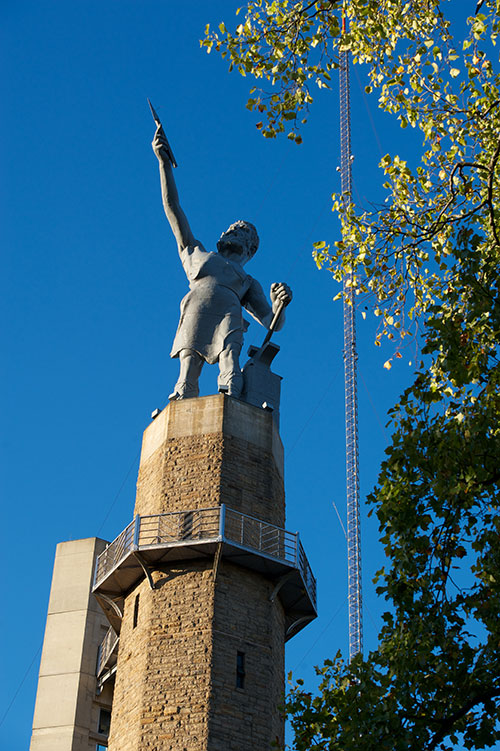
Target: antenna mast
(351, 388)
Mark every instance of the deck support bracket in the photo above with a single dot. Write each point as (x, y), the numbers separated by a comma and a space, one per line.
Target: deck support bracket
(217, 557)
(112, 604)
(282, 580)
(145, 568)
(292, 626)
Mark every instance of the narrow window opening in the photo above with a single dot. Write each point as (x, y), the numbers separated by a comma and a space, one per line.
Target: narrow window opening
(136, 611)
(104, 721)
(240, 670)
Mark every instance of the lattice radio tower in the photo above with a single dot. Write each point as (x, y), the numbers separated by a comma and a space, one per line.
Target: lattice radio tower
(351, 389)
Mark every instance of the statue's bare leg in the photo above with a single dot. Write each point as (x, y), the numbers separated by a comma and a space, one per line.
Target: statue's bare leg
(230, 374)
(191, 364)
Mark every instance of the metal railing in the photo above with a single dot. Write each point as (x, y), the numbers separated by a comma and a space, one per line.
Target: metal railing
(306, 571)
(195, 524)
(258, 535)
(106, 649)
(115, 552)
(216, 523)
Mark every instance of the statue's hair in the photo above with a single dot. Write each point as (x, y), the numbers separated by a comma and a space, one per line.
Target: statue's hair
(253, 239)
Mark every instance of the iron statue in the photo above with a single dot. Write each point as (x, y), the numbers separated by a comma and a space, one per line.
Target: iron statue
(211, 325)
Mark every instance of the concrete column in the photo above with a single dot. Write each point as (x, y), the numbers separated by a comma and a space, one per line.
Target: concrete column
(67, 707)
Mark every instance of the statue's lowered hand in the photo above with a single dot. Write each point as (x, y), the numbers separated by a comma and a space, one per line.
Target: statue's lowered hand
(281, 295)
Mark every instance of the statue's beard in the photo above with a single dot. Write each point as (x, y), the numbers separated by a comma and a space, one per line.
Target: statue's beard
(231, 246)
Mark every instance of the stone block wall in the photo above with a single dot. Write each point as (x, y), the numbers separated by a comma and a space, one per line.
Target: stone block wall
(162, 685)
(246, 621)
(183, 473)
(233, 455)
(176, 686)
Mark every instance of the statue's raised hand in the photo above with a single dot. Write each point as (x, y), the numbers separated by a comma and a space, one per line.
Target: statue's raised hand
(160, 145)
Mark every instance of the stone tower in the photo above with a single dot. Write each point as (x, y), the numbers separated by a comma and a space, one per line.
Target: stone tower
(204, 586)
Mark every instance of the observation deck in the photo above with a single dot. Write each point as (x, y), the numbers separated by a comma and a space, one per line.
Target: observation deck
(162, 539)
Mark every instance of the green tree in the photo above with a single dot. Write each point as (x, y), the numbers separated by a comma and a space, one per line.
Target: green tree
(429, 261)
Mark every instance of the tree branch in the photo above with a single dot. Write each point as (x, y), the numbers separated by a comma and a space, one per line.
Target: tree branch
(492, 167)
(448, 722)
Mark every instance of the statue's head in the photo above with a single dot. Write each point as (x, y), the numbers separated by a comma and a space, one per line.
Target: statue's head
(240, 238)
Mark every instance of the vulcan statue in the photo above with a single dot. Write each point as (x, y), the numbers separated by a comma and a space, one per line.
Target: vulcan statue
(211, 325)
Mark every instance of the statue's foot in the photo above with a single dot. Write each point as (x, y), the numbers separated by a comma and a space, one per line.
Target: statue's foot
(184, 391)
(230, 383)
(174, 397)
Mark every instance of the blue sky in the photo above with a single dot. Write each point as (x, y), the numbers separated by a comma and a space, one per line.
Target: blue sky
(92, 284)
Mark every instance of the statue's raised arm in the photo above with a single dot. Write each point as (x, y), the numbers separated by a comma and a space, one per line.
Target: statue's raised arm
(175, 215)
